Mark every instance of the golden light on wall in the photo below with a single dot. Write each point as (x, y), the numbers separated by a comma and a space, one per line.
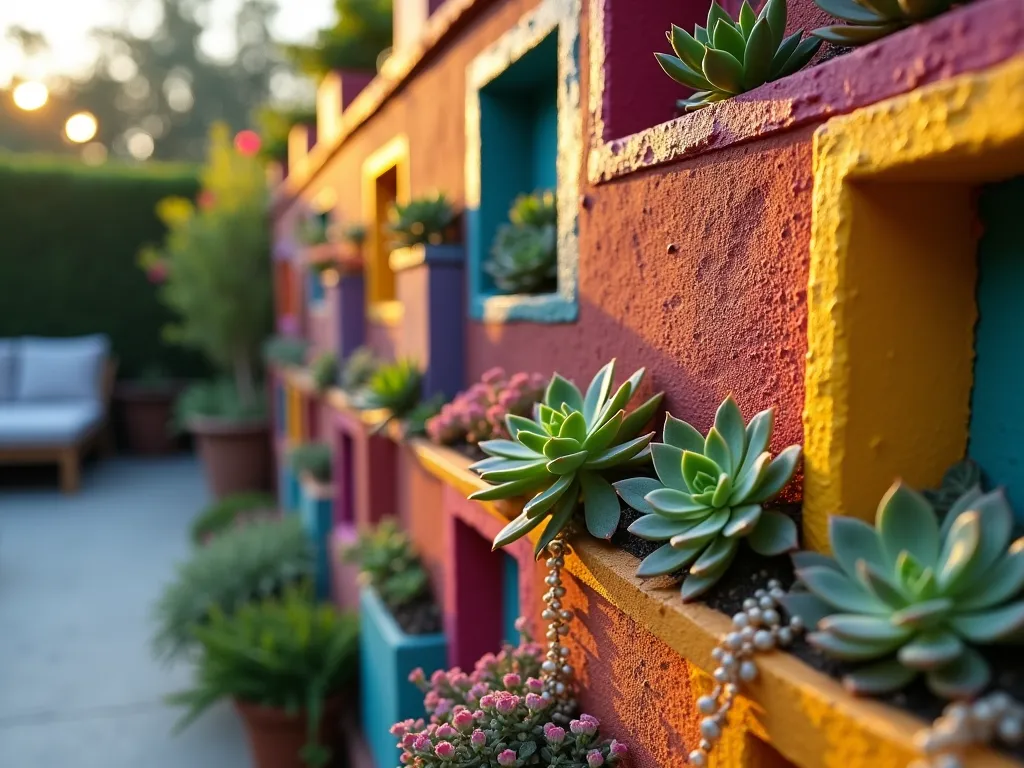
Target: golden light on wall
(30, 95)
(81, 127)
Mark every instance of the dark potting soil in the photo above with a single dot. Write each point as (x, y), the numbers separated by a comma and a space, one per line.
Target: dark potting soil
(470, 450)
(420, 617)
(750, 571)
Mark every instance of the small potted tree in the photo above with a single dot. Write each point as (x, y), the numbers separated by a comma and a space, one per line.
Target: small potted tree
(218, 281)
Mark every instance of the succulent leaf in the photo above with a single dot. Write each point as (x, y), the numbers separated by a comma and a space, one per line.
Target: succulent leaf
(774, 12)
(747, 19)
(600, 505)
(729, 39)
(638, 418)
(667, 559)
(687, 47)
(507, 448)
(850, 11)
(939, 593)
(758, 56)
(723, 71)
(634, 489)
(561, 391)
(597, 392)
(709, 493)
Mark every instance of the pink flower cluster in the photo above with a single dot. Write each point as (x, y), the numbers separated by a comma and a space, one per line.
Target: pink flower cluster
(479, 413)
(498, 716)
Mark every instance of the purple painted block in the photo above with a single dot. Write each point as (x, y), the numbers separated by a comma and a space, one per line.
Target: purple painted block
(349, 296)
(430, 282)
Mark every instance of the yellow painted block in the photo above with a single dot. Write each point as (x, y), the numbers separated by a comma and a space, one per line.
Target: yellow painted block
(385, 180)
(891, 306)
(296, 423)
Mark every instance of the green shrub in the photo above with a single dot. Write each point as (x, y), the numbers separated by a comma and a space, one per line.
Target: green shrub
(70, 238)
(237, 567)
(216, 399)
(225, 513)
(289, 654)
(312, 458)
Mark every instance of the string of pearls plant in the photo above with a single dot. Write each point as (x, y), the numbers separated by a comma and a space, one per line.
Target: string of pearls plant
(961, 725)
(557, 672)
(757, 628)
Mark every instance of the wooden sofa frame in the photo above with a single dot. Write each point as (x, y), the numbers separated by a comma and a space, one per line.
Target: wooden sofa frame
(69, 456)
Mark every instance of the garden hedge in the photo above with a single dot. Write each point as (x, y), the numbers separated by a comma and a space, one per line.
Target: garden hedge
(69, 238)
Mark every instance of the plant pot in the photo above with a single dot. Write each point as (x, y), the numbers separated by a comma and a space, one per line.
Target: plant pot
(236, 455)
(386, 657)
(277, 738)
(146, 413)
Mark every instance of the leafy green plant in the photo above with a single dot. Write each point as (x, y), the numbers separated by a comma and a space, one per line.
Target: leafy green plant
(425, 220)
(709, 496)
(564, 452)
(312, 458)
(956, 481)
(361, 32)
(227, 513)
(357, 369)
(416, 420)
(913, 596)
(217, 267)
(324, 370)
(524, 255)
(285, 350)
(287, 653)
(237, 567)
(217, 399)
(730, 56)
(870, 20)
(394, 387)
(354, 234)
(389, 564)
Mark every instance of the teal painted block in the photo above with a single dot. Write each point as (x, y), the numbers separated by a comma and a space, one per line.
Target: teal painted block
(524, 134)
(317, 520)
(289, 487)
(510, 600)
(387, 656)
(997, 407)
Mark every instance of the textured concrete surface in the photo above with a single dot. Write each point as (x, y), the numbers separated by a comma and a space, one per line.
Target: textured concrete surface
(78, 576)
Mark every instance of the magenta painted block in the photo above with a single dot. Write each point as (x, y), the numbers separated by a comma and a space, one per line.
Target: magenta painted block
(474, 616)
(366, 471)
(349, 299)
(431, 287)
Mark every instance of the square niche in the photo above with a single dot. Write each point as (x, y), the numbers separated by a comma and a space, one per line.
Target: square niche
(385, 176)
(524, 135)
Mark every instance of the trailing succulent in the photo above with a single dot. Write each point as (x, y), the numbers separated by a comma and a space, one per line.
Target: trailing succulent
(870, 20)
(734, 56)
(563, 453)
(424, 220)
(709, 496)
(915, 597)
(394, 387)
(524, 253)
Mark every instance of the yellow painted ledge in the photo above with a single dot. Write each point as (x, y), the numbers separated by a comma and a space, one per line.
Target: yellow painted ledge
(806, 715)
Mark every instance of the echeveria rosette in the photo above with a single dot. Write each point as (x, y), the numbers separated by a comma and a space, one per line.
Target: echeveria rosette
(913, 597)
(563, 453)
(870, 20)
(709, 496)
(734, 56)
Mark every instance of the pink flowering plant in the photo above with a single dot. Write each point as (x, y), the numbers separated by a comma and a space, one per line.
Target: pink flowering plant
(499, 716)
(478, 413)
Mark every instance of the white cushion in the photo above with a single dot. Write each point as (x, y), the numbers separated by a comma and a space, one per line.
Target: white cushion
(8, 357)
(25, 424)
(61, 369)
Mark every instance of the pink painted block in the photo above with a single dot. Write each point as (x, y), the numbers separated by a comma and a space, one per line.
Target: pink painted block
(344, 576)
(473, 618)
(368, 463)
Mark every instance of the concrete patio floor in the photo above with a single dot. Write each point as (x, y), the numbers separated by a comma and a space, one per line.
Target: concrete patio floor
(78, 577)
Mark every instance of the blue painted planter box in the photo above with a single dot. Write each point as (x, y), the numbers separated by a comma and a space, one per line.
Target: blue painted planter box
(386, 657)
(289, 487)
(316, 506)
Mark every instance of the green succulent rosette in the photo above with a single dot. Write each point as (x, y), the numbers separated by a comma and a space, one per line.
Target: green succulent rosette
(709, 496)
(870, 20)
(561, 457)
(912, 597)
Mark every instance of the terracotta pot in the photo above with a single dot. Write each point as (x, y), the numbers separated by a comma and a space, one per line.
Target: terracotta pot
(236, 456)
(146, 412)
(277, 738)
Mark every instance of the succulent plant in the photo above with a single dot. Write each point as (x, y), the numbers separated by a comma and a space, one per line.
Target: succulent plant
(312, 458)
(479, 413)
(956, 481)
(416, 420)
(734, 56)
(564, 452)
(423, 220)
(870, 20)
(285, 350)
(524, 255)
(394, 387)
(913, 596)
(388, 563)
(357, 369)
(324, 371)
(709, 495)
(354, 234)
(312, 229)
